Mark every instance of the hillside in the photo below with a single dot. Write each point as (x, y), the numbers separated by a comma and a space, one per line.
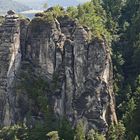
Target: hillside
(6, 5)
(38, 4)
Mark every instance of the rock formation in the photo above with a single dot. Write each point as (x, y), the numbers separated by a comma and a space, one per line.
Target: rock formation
(62, 51)
(9, 63)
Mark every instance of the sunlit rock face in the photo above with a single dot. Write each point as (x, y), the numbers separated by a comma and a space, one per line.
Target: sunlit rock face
(60, 50)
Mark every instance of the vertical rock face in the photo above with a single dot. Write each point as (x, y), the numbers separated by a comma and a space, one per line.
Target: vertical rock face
(60, 50)
(9, 63)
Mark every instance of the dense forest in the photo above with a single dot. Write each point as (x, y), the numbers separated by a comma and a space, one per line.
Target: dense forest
(118, 22)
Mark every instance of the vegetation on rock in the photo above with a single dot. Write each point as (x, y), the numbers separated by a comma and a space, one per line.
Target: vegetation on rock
(118, 23)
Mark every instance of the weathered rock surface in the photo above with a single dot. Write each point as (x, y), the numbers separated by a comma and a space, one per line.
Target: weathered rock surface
(9, 63)
(59, 50)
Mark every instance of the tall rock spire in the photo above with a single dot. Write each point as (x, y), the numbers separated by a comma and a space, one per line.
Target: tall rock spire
(9, 61)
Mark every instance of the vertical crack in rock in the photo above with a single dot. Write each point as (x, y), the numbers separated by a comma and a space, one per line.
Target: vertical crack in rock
(69, 78)
(60, 52)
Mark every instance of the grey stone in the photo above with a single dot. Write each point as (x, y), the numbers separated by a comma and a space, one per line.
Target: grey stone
(83, 71)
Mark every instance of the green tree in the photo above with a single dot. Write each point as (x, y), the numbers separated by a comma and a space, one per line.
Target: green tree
(65, 131)
(58, 11)
(72, 11)
(93, 135)
(116, 132)
(15, 132)
(79, 131)
(53, 135)
(114, 7)
(92, 14)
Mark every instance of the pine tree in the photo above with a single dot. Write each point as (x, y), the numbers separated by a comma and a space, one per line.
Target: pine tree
(79, 131)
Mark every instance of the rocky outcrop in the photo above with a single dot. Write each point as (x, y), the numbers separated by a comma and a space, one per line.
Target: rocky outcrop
(63, 52)
(9, 63)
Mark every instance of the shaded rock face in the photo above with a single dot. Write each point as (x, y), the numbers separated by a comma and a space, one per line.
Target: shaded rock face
(9, 63)
(61, 48)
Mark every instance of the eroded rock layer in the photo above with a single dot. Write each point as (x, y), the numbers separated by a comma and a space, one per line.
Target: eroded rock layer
(60, 51)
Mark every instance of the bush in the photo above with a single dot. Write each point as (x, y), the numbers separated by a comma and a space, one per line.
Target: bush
(53, 135)
(93, 135)
(116, 132)
(16, 132)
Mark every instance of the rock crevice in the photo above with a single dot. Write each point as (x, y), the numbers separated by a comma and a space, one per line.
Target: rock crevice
(59, 51)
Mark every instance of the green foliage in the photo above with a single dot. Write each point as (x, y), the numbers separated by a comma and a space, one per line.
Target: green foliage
(93, 15)
(36, 88)
(58, 11)
(117, 22)
(38, 132)
(53, 135)
(46, 18)
(130, 9)
(92, 135)
(128, 116)
(72, 12)
(15, 132)
(118, 62)
(136, 56)
(126, 64)
(135, 121)
(65, 131)
(18, 132)
(79, 131)
(116, 132)
(90, 14)
(114, 7)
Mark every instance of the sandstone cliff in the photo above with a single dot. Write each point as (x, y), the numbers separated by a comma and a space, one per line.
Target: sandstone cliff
(77, 68)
